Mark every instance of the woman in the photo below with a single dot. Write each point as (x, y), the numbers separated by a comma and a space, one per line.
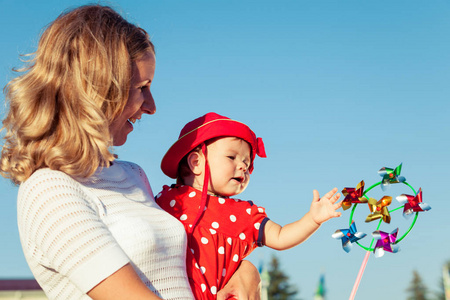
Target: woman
(88, 224)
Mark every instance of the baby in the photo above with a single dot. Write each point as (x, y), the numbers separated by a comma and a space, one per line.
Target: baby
(212, 161)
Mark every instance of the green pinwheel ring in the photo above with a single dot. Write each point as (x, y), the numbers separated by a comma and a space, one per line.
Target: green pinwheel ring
(380, 210)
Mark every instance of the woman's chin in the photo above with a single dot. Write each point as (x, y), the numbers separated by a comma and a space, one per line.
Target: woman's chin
(119, 141)
(120, 138)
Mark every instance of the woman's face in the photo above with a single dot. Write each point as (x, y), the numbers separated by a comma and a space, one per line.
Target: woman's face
(140, 99)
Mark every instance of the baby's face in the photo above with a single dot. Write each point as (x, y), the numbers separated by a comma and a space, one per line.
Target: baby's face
(229, 160)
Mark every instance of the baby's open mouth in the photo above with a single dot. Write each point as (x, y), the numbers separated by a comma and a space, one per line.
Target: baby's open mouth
(239, 179)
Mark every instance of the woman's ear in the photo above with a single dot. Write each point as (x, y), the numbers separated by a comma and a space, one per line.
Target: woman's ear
(196, 162)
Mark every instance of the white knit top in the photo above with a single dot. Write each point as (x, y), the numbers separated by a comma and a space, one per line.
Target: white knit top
(75, 233)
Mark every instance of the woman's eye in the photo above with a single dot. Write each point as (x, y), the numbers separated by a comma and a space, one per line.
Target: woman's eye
(143, 87)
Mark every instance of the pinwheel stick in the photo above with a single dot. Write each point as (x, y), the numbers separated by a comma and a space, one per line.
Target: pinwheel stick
(363, 267)
(360, 274)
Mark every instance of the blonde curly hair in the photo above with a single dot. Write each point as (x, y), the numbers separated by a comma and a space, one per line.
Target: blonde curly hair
(75, 85)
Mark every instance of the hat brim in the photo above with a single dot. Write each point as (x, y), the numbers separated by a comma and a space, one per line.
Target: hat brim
(213, 129)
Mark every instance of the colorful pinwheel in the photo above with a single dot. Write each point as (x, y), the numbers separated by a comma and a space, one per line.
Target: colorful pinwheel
(390, 176)
(379, 209)
(348, 236)
(412, 203)
(381, 241)
(353, 195)
(386, 242)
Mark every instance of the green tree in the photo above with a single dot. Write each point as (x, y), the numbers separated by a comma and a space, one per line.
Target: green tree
(279, 287)
(417, 289)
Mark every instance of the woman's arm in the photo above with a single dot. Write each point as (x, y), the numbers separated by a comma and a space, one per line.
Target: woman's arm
(245, 284)
(123, 284)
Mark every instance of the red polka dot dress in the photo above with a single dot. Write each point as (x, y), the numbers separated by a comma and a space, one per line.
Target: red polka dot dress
(228, 230)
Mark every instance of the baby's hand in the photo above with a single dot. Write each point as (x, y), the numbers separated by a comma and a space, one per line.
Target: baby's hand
(323, 209)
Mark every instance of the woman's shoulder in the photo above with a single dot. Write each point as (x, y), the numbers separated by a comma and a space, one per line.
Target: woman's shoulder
(45, 194)
(44, 177)
(129, 166)
(46, 184)
(125, 169)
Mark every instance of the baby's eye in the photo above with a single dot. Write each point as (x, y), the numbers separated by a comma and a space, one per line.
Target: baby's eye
(231, 157)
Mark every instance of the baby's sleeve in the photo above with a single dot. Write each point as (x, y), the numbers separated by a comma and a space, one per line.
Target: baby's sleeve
(61, 230)
(258, 220)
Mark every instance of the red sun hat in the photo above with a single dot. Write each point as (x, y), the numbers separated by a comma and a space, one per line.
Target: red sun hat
(204, 128)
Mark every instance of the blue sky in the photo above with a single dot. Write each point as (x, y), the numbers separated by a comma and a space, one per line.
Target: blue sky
(337, 90)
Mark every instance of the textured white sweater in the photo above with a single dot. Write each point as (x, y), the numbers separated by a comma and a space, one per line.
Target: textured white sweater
(75, 234)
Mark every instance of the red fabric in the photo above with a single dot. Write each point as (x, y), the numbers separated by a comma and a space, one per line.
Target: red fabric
(204, 128)
(226, 233)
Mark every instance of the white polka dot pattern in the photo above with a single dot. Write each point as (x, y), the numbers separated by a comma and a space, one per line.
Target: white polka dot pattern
(223, 236)
(213, 290)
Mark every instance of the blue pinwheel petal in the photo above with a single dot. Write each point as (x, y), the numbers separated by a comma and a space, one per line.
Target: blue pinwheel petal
(424, 206)
(347, 246)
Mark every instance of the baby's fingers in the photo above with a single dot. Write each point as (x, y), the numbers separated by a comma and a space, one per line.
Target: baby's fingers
(316, 196)
(330, 194)
(337, 205)
(337, 214)
(335, 198)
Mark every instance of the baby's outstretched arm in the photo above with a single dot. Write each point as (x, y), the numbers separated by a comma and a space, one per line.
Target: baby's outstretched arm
(322, 209)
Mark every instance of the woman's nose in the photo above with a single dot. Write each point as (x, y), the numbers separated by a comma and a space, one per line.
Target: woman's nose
(149, 105)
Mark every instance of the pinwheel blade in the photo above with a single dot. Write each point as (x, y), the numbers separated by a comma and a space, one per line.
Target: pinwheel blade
(348, 236)
(379, 252)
